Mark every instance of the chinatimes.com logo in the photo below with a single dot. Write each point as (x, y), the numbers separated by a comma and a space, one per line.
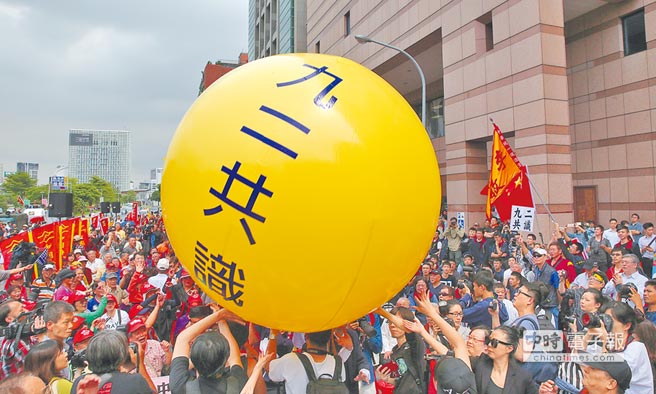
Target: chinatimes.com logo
(581, 358)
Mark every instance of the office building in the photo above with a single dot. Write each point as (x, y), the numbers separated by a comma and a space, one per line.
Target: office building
(32, 169)
(571, 84)
(214, 71)
(103, 153)
(276, 26)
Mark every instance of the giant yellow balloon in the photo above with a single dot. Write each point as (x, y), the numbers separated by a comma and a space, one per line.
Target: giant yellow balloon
(301, 191)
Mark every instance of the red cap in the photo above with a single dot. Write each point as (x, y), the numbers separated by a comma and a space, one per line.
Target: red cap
(75, 297)
(195, 300)
(110, 297)
(147, 287)
(134, 311)
(77, 322)
(184, 274)
(15, 277)
(134, 325)
(82, 335)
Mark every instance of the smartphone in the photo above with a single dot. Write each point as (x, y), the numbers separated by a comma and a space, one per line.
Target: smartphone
(393, 367)
(135, 349)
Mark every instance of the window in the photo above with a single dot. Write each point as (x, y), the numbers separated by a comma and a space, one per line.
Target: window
(633, 27)
(317, 47)
(489, 37)
(434, 116)
(347, 23)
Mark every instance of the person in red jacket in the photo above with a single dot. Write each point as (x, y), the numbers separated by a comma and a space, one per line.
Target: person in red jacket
(560, 263)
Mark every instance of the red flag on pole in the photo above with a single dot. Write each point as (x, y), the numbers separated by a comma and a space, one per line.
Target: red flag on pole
(7, 246)
(48, 237)
(508, 184)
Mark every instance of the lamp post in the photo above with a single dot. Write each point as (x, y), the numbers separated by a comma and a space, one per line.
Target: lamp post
(364, 39)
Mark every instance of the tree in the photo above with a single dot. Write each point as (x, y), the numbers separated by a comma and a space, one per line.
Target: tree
(17, 184)
(107, 191)
(34, 194)
(128, 197)
(155, 196)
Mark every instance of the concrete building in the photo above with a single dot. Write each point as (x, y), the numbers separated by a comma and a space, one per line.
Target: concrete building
(103, 153)
(571, 84)
(32, 169)
(276, 26)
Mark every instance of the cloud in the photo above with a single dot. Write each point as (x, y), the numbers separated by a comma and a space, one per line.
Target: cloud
(133, 65)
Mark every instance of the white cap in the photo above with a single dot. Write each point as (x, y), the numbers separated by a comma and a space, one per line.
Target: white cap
(163, 264)
(48, 267)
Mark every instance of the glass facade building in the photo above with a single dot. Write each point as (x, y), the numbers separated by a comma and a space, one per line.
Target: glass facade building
(276, 26)
(103, 153)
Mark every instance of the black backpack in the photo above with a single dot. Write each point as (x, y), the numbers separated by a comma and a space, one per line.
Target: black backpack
(325, 384)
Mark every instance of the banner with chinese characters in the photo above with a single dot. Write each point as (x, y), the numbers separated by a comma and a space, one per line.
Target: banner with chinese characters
(522, 218)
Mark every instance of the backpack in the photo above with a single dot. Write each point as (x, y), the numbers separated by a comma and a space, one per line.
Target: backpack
(323, 384)
(544, 319)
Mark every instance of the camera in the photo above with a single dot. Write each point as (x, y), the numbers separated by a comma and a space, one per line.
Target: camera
(78, 359)
(494, 304)
(624, 290)
(570, 319)
(366, 327)
(468, 268)
(594, 320)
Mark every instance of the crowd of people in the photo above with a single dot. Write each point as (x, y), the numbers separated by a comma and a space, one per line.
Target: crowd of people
(488, 311)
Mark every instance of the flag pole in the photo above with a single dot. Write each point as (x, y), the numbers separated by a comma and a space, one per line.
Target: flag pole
(533, 188)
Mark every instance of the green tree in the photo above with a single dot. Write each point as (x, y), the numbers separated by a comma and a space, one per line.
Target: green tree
(156, 195)
(34, 194)
(17, 184)
(107, 191)
(128, 197)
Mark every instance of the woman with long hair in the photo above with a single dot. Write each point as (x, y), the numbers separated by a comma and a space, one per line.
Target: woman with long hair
(45, 360)
(645, 332)
(496, 370)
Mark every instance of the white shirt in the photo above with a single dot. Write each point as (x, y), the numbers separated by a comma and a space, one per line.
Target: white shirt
(643, 242)
(641, 375)
(512, 312)
(612, 237)
(112, 323)
(95, 265)
(581, 280)
(636, 278)
(158, 280)
(289, 369)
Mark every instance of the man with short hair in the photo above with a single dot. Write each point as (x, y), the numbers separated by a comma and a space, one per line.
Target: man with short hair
(46, 283)
(611, 232)
(548, 275)
(476, 313)
(478, 249)
(131, 246)
(647, 244)
(626, 242)
(454, 235)
(96, 265)
(635, 227)
(289, 368)
(604, 377)
(561, 264)
(629, 274)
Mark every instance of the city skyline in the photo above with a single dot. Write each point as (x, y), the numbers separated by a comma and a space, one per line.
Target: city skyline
(95, 66)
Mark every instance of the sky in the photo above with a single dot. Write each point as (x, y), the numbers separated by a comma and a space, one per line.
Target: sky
(111, 65)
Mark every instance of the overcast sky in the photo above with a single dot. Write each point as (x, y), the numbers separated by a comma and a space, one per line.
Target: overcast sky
(120, 64)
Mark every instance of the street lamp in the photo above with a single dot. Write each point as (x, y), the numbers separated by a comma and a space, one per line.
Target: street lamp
(364, 39)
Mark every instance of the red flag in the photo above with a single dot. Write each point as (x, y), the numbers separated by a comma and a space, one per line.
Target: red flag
(66, 229)
(83, 230)
(19, 199)
(48, 237)
(508, 184)
(104, 225)
(7, 246)
(94, 222)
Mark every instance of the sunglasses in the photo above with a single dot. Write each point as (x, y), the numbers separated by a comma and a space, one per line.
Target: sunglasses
(495, 342)
(538, 255)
